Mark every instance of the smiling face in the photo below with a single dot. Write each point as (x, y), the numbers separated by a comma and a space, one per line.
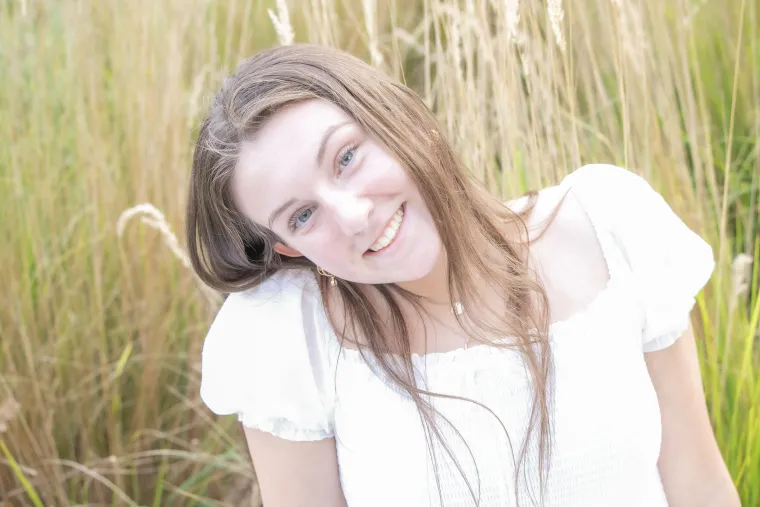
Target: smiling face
(335, 196)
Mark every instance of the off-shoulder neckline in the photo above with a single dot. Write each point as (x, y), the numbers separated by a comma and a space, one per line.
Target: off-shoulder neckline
(555, 329)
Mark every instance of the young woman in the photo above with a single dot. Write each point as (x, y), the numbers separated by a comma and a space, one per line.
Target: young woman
(396, 336)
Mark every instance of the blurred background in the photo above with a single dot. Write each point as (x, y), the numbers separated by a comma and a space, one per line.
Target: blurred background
(101, 320)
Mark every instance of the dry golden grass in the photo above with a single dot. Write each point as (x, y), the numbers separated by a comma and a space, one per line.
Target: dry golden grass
(101, 320)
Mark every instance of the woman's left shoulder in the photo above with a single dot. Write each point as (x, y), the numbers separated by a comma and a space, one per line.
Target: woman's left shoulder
(565, 249)
(555, 211)
(605, 190)
(601, 177)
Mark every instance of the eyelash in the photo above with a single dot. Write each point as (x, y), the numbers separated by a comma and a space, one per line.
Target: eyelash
(341, 154)
(292, 220)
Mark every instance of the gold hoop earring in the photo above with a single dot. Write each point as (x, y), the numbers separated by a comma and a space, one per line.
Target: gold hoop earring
(322, 272)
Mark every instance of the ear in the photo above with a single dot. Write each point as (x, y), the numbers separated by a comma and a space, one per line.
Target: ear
(283, 249)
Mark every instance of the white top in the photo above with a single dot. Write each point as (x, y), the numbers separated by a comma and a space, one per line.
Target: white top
(271, 358)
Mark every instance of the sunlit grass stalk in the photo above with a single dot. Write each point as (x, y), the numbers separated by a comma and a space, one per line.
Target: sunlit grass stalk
(20, 476)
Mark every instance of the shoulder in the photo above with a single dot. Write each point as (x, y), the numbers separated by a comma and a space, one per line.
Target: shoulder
(640, 237)
(593, 198)
(609, 194)
(284, 292)
(266, 358)
(563, 209)
(600, 176)
(604, 216)
(258, 322)
(588, 186)
(612, 206)
(565, 247)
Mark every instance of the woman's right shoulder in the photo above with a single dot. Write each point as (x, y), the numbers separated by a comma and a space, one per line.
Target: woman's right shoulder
(264, 355)
(285, 283)
(267, 308)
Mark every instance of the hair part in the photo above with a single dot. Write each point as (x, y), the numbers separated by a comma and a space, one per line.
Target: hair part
(231, 253)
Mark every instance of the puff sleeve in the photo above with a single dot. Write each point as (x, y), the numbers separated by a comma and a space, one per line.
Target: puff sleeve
(668, 262)
(263, 360)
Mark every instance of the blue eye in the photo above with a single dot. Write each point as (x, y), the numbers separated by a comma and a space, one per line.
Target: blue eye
(347, 158)
(300, 218)
(304, 216)
(346, 155)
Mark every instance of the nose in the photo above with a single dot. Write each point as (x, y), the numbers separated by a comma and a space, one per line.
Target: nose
(350, 209)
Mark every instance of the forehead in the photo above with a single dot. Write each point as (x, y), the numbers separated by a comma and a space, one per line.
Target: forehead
(280, 161)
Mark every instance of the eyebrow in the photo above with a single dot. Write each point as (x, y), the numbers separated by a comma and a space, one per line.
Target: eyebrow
(326, 137)
(320, 157)
(279, 210)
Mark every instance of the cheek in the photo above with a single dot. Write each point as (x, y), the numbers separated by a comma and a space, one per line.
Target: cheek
(324, 247)
(402, 183)
(383, 173)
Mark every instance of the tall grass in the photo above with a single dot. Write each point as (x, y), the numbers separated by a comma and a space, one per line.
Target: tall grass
(102, 323)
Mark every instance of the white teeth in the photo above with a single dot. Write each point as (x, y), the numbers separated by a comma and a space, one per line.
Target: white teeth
(390, 231)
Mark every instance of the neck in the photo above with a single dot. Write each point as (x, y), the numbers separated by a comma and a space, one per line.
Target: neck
(434, 285)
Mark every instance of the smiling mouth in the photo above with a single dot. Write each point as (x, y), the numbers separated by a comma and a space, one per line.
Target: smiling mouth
(390, 231)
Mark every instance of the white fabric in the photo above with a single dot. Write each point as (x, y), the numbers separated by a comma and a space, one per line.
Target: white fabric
(271, 358)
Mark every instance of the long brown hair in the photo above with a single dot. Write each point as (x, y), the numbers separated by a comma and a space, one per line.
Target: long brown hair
(231, 253)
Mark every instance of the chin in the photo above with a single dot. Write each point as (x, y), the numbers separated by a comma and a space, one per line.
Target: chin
(421, 264)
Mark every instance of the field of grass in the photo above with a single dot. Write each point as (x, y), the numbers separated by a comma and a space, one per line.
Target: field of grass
(102, 322)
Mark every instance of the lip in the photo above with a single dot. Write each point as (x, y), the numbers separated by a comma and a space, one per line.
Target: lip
(392, 245)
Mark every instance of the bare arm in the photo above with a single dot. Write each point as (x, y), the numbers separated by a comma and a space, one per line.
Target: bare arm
(691, 466)
(295, 474)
